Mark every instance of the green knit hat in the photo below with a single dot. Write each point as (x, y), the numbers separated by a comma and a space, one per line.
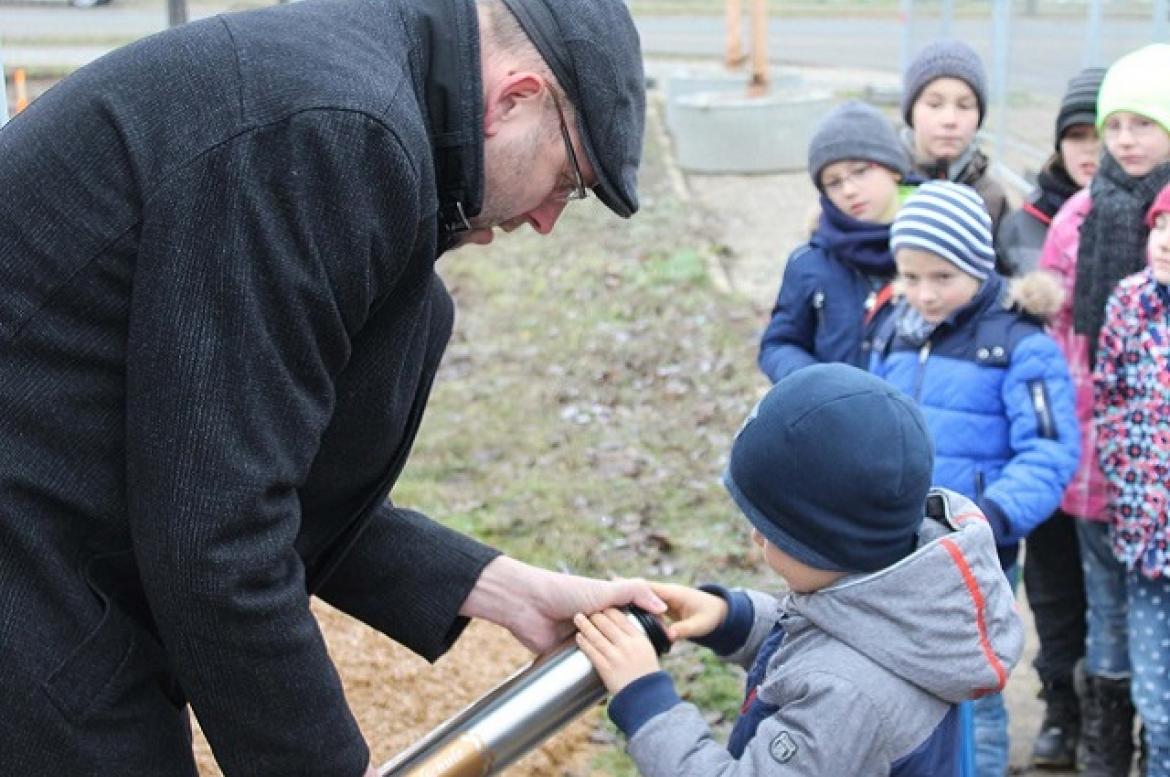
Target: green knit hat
(1138, 83)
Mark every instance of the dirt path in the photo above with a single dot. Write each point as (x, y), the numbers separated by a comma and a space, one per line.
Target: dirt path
(398, 697)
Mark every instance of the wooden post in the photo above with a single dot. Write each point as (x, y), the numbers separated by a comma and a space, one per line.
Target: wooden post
(3, 93)
(18, 81)
(733, 55)
(758, 85)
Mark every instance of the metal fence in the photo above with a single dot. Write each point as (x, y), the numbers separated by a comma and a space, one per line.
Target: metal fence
(1030, 49)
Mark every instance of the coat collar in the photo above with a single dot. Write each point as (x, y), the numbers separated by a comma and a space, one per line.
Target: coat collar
(448, 58)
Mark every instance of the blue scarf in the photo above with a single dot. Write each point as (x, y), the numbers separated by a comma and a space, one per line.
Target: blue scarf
(863, 245)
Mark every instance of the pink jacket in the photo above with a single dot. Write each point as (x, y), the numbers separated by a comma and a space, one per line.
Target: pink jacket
(1087, 495)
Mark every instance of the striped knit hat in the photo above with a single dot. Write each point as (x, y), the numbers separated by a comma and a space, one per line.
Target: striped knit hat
(949, 220)
(1079, 104)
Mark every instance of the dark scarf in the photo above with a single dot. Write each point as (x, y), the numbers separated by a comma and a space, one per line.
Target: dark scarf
(862, 245)
(1113, 239)
(968, 167)
(1053, 188)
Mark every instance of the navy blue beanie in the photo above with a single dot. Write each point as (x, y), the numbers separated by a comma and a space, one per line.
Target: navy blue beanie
(832, 467)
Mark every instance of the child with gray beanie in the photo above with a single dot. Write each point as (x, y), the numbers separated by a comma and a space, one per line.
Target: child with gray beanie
(992, 385)
(836, 287)
(944, 102)
(854, 671)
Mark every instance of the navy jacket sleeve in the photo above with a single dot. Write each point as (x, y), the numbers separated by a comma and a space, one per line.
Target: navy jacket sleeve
(256, 269)
(787, 342)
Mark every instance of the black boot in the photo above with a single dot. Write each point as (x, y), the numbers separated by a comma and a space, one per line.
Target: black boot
(1107, 727)
(1056, 744)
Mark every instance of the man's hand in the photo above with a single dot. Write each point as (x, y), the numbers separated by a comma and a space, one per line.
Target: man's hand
(371, 772)
(618, 650)
(694, 613)
(537, 605)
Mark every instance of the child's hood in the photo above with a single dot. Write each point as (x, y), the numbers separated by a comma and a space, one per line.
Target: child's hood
(944, 618)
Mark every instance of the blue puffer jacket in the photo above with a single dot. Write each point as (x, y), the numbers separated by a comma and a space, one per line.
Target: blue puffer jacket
(997, 396)
(830, 285)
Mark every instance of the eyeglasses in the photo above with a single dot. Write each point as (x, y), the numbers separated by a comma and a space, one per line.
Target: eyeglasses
(854, 177)
(575, 190)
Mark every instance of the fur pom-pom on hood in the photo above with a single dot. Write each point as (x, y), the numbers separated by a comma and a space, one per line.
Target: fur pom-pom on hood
(1038, 294)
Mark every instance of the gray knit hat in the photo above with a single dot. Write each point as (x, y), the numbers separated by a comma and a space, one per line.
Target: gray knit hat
(950, 221)
(1079, 104)
(944, 59)
(855, 130)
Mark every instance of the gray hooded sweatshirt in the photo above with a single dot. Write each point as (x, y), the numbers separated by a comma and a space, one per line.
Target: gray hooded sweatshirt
(866, 674)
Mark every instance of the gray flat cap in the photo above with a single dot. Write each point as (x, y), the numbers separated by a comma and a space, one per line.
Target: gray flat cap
(592, 48)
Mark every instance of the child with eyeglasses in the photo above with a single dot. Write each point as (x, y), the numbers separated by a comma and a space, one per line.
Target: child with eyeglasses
(836, 287)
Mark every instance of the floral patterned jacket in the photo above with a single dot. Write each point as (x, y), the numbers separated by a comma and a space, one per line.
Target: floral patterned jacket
(1132, 407)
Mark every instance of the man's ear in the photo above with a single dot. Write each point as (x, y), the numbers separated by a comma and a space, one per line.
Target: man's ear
(509, 96)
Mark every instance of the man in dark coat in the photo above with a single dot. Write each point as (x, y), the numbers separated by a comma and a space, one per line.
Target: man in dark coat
(219, 324)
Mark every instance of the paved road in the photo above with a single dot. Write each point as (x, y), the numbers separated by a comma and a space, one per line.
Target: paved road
(1044, 52)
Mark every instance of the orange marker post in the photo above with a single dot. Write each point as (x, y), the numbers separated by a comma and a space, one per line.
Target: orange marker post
(758, 85)
(733, 55)
(18, 81)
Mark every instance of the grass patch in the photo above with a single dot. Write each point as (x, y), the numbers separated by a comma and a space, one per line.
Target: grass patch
(586, 404)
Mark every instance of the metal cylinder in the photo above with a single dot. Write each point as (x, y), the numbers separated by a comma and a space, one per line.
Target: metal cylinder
(498, 728)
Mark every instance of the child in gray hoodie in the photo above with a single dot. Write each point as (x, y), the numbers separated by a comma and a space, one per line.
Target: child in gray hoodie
(897, 608)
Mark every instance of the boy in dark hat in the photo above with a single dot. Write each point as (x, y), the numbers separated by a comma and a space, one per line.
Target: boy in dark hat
(854, 671)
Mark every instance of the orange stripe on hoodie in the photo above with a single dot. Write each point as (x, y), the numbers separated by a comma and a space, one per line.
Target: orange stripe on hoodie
(980, 619)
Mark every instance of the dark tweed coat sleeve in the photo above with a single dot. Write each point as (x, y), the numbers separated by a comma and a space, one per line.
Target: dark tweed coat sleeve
(252, 279)
(219, 322)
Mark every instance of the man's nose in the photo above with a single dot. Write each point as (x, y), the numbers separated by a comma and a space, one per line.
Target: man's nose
(545, 217)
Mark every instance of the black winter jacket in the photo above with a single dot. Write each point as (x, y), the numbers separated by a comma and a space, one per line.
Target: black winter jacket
(219, 324)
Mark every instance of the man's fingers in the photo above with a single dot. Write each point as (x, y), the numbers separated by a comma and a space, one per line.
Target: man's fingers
(645, 598)
(639, 592)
